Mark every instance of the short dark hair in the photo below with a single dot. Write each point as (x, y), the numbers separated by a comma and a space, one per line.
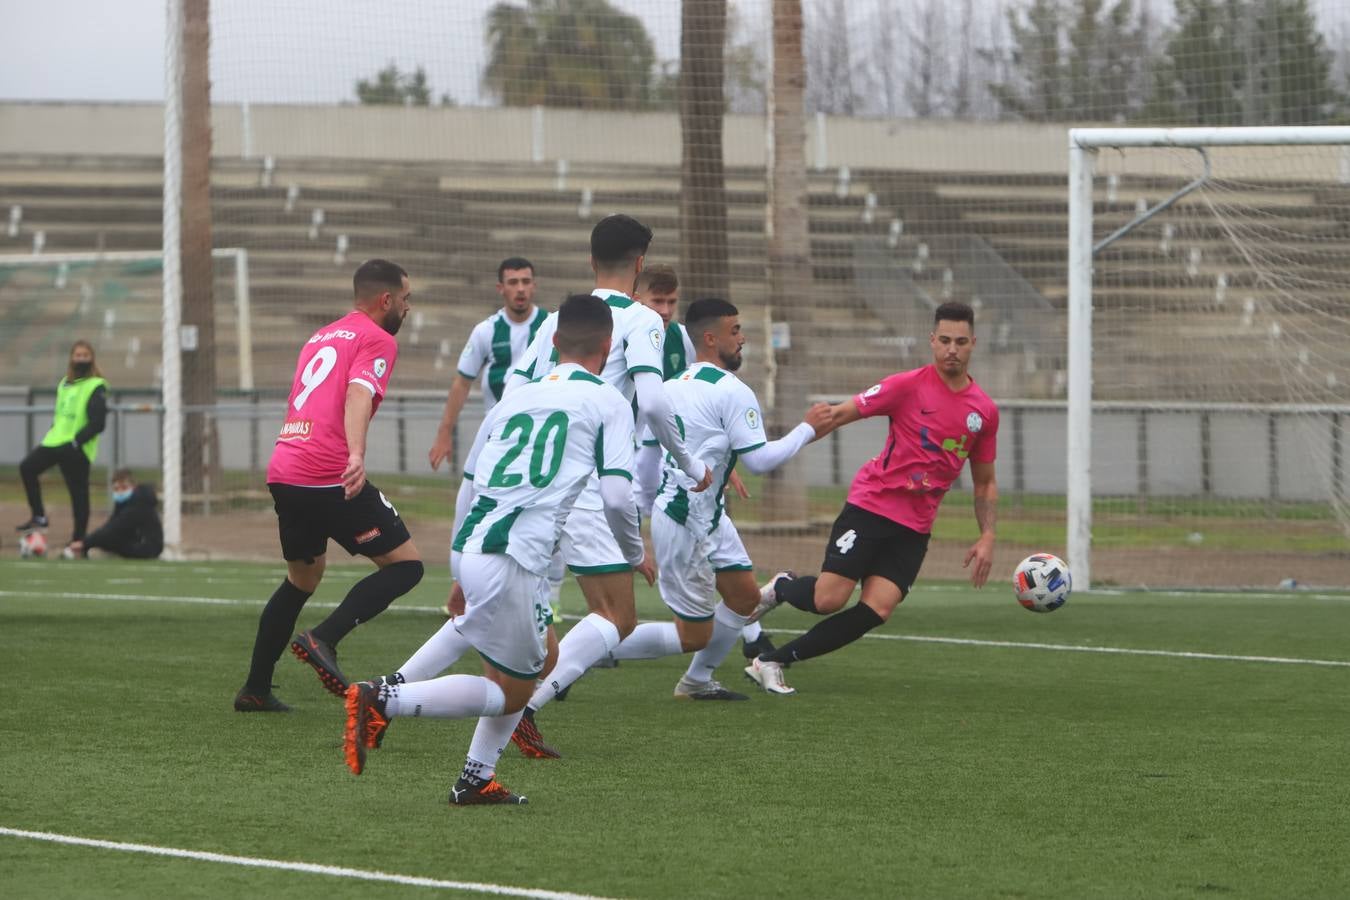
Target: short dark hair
(513, 262)
(617, 240)
(584, 321)
(123, 475)
(377, 276)
(658, 277)
(702, 313)
(954, 311)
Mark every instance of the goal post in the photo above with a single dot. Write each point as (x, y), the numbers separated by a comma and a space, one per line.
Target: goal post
(1085, 144)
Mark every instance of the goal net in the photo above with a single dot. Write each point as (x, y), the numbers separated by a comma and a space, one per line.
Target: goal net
(1219, 359)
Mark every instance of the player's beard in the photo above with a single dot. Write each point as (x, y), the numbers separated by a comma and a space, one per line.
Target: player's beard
(733, 362)
(392, 321)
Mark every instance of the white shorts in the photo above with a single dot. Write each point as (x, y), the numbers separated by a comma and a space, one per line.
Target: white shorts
(588, 546)
(687, 564)
(506, 612)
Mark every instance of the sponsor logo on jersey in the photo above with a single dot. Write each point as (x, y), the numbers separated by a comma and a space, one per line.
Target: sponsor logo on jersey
(974, 423)
(872, 391)
(330, 335)
(295, 429)
(366, 537)
(381, 366)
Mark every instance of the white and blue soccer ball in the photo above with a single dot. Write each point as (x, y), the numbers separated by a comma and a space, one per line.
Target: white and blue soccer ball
(33, 545)
(1043, 582)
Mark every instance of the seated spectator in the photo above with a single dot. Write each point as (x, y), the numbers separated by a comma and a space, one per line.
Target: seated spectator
(133, 530)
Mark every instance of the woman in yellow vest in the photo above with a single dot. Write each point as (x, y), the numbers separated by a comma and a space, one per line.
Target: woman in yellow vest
(72, 442)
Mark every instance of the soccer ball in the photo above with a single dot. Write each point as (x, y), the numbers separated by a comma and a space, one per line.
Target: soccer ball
(33, 545)
(1042, 582)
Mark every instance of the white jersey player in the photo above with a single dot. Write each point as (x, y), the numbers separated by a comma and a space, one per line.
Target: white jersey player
(699, 552)
(540, 447)
(634, 367)
(658, 288)
(494, 347)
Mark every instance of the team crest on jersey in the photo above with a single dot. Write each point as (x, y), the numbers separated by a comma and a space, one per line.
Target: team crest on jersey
(974, 423)
(655, 335)
(752, 417)
(381, 366)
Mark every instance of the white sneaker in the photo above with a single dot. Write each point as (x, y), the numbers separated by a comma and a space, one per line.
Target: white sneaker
(768, 675)
(768, 598)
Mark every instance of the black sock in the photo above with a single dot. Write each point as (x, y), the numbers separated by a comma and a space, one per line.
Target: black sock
(368, 598)
(835, 632)
(275, 627)
(799, 592)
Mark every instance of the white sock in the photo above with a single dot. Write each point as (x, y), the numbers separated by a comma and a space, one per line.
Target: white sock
(489, 740)
(751, 632)
(447, 697)
(727, 627)
(439, 653)
(650, 640)
(583, 646)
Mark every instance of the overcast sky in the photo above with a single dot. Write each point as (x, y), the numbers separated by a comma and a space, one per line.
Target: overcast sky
(313, 51)
(300, 51)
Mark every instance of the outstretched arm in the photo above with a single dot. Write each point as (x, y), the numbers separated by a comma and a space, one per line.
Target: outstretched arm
(986, 511)
(770, 456)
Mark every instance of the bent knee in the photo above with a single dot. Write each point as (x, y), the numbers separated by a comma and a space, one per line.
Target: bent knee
(831, 603)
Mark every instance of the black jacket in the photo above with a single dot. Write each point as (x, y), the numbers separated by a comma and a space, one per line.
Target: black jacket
(133, 521)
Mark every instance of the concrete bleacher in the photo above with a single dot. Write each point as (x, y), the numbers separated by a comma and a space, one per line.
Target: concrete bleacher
(450, 224)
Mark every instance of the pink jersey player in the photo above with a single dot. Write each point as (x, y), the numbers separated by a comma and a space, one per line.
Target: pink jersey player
(934, 430)
(940, 418)
(311, 449)
(320, 493)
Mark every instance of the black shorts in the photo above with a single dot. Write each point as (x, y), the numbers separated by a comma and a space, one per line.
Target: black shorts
(863, 544)
(307, 517)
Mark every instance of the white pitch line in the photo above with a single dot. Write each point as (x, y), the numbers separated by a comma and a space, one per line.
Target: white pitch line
(199, 601)
(286, 865)
(966, 642)
(1075, 648)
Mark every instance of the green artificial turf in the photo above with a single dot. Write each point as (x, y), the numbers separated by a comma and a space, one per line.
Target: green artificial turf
(907, 765)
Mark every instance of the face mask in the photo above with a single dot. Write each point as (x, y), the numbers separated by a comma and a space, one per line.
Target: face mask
(122, 496)
(82, 368)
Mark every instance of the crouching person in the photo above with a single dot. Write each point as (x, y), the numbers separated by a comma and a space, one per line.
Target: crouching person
(133, 530)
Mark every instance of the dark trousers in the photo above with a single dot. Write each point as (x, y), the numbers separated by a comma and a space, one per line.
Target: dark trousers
(131, 547)
(74, 469)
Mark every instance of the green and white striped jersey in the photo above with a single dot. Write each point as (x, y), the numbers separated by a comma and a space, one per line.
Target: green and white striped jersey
(636, 345)
(548, 438)
(493, 347)
(719, 415)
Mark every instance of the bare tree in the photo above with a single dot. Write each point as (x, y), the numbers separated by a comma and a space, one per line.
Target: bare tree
(747, 70)
(887, 51)
(831, 82)
(928, 78)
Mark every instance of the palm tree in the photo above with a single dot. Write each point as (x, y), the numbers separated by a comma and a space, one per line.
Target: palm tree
(583, 54)
(789, 249)
(704, 269)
